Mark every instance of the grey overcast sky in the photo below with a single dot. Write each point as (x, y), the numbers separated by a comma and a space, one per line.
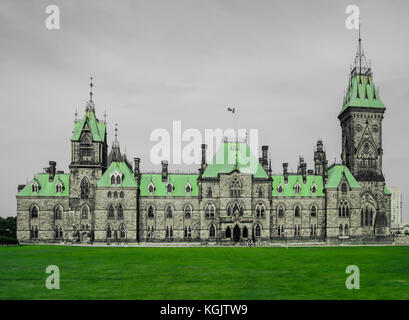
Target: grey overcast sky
(284, 64)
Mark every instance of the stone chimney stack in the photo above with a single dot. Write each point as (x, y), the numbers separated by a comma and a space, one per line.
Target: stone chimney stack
(204, 162)
(304, 172)
(136, 170)
(325, 172)
(319, 158)
(300, 165)
(264, 158)
(164, 171)
(52, 169)
(285, 172)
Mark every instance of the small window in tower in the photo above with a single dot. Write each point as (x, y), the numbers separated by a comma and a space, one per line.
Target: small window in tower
(169, 188)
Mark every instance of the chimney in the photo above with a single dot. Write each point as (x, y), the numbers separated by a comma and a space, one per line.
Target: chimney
(51, 170)
(304, 172)
(260, 160)
(319, 158)
(310, 172)
(136, 170)
(264, 157)
(325, 172)
(164, 171)
(300, 164)
(204, 164)
(285, 172)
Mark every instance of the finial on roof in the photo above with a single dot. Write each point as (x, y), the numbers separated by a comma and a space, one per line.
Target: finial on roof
(90, 104)
(76, 115)
(361, 67)
(105, 116)
(90, 91)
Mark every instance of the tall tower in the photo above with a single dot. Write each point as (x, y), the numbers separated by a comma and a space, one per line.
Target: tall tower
(88, 163)
(361, 122)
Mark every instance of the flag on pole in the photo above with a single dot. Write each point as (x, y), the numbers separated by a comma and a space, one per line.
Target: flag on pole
(231, 109)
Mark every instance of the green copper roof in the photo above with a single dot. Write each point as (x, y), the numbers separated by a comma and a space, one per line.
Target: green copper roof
(231, 156)
(47, 188)
(128, 179)
(97, 127)
(179, 182)
(362, 94)
(335, 175)
(386, 190)
(305, 188)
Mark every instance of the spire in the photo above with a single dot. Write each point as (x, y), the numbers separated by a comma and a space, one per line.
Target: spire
(90, 106)
(115, 154)
(361, 66)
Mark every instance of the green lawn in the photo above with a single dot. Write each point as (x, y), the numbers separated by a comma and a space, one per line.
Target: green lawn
(203, 273)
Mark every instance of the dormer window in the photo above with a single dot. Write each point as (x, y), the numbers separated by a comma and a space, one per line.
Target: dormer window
(169, 187)
(188, 188)
(34, 187)
(314, 189)
(297, 188)
(151, 188)
(58, 188)
(280, 189)
(116, 178)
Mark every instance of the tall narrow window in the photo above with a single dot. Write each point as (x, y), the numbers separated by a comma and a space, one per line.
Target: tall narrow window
(150, 212)
(297, 188)
(58, 213)
(228, 233)
(111, 212)
(313, 211)
(187, 212)
(85, 188)
(109, 231)
(258, 230)
(120, 212)
(84, 212)
(118, 179)
(34, 187)
(280, 211)
(169, 212)
(34, 212)
(112, 180)
(297, 211)
(245, 232)
(260, 210)
(235, 188)
(212, 231)
(122, 232)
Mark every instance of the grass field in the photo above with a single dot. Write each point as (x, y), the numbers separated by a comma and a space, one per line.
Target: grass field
(203, 273)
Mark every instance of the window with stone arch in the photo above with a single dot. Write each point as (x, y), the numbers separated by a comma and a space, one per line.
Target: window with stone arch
(111, 212)
(212, 231)
(257, 232)
(120, 212)
(209, 192)
(210, 210)
(34, 212)
(109, 231)
(122, 232)
(109, 195)
(344, 187)
(169, 212)
(85, 188)
(58, 212)
(260, 209)
(297, 211)
(235, 188)
(188, 212)
(343, 209)
(313, 211)
(84, 212)
(151, 212)
(122, 194)
(280, 211)
(367, 156)
(367, 214)
(260, 192)
(58, 188)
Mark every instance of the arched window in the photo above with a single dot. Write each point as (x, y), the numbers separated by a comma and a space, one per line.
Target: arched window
(229, 210)
(34, 212)
(58, 188)
(169, 212)
(113, 180)
(258, 231)
(297, 211)
(188, 188)
(151, 188)
(341, 230)
(313, 211)
(150, 212)
(343, 208)
(169, 187)
(260, 210)
(297, 188)
(58, 212)
(120, 212)
(260, 192)
(344, 188)
(212, 231)
(280, 211)
(109, 232)
(122, 194)
(116, 195)
(34, 187)
(314, 189)
(85, 188)
(84, 212)
(346, 229)
(367, 216)
(188, 210)
(122, 231)
(34, 233)
(109, 194)
(245, 232)
(228, 232)
(280, 189)
(235, 188)
(210, 211)
(118, 179)
(185, 233)
(209, 193)
(111, 212)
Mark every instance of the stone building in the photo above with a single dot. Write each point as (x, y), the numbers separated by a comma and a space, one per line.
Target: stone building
(104, 198)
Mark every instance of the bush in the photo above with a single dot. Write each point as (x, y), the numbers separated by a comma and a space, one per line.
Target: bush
(8, 240)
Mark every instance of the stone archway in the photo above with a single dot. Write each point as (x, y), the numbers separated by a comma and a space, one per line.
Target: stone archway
(236, 233)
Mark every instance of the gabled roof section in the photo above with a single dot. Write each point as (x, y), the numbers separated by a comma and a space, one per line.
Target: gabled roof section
(234, 156)
(179, 182)
(128, 178)
(47, 188)
(98, 128)
(293, 179)
(335, 175)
